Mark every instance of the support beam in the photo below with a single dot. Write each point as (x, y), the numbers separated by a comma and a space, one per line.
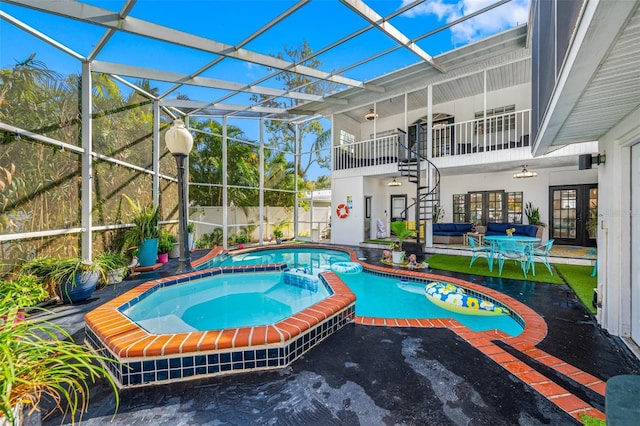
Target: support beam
(156, 154)
(87, 13)
(370, 15)
(87, 163)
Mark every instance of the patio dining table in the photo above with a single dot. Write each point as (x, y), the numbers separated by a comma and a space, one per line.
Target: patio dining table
(497, 241)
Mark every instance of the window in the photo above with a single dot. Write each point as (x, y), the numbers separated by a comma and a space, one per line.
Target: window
(498, 119)
(514, 207)
(487, 206)
(460, 208)
(346, 138)
(398, 207)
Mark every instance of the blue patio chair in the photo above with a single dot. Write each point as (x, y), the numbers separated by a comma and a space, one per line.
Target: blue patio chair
(516, 251)
(478, 250)
(541, 252)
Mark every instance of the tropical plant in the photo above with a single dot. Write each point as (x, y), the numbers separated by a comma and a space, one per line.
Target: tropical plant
(438, 213)
(211, 239)
(533, 214)
(145, 219)
(113, 265)
(165, 243)
(25, 291)
(399, 229)
(240, 239)
(39, 360)
(57, 271)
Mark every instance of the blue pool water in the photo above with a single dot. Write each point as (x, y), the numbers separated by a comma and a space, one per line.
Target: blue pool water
(378, 296)
(314, 259)
(226, 301)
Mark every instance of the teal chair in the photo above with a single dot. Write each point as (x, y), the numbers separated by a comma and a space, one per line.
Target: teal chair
(478, 250)
(516, 251)
(541, 253)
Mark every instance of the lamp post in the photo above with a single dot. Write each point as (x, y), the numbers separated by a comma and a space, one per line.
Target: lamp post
(179, 142)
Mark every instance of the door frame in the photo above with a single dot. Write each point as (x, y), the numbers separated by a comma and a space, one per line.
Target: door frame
(582, 210)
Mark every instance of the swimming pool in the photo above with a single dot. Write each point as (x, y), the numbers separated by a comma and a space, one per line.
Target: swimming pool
(135, 356)
(377, 295)
(227, 301)
(395, 297)
(314, 259)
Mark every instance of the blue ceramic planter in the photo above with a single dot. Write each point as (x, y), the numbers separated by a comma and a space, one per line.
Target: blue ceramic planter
(148, 252)
(82, 289)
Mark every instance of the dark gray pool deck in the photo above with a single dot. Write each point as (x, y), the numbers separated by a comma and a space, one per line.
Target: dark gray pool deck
(365, 375)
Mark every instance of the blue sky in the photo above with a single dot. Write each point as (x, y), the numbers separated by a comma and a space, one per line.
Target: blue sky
(320, 23)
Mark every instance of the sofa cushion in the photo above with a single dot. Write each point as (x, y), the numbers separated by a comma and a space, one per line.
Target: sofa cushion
(494, 228)
(463, 227)
(526, 230)
(447, 227)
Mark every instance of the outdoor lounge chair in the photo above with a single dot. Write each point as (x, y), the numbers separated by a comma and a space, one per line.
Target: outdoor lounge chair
(541, 252)
(480, 250)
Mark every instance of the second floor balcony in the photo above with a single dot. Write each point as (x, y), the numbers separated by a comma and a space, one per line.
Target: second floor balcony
(495, 133)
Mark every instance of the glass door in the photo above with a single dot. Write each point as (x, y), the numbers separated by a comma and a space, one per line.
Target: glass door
(572, 206)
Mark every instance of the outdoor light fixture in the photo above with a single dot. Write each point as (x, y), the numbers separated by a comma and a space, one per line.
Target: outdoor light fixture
(525, 173)
(179, 142)
(370, 116)
(394, 182)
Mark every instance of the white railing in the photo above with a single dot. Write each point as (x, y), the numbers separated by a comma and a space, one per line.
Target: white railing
(372, 152)
(506, 131)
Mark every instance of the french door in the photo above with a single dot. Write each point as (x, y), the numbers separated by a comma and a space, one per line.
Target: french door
(572, 206)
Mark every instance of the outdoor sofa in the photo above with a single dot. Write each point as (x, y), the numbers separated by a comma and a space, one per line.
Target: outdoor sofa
(450, 233)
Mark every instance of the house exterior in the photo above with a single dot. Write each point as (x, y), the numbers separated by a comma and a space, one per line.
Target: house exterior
(549, 97)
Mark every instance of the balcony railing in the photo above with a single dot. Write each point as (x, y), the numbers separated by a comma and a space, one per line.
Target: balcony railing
(503, 132)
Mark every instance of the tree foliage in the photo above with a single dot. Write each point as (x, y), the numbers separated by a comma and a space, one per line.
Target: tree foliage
(313, 139)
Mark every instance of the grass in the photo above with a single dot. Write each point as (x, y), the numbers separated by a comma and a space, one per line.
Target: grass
(575, 276)
(591, 421)
(511, 270)
(581, 282)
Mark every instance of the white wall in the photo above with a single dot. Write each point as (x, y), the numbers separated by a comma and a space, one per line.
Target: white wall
(535, 190)
(349, 230)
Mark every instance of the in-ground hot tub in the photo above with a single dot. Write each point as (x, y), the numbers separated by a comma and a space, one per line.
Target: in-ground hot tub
(141, 356)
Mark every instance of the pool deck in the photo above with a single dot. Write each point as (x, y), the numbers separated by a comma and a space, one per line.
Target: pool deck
(395, 371)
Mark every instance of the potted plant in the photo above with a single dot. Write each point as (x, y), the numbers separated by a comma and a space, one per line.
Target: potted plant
(175, 251)
(164, 246)
(114, 265)
(145, 233)
(40, 360)
(533, 214)
(399, 229)
(73, 279)
(190, 236)
(241, 240)
(277, 234)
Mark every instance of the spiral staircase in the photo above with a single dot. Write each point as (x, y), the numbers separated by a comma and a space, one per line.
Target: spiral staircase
(414, 164)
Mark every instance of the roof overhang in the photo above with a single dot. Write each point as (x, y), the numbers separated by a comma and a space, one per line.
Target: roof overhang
(598, 88)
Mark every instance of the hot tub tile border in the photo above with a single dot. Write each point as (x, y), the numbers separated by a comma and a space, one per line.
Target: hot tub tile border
(275, 345)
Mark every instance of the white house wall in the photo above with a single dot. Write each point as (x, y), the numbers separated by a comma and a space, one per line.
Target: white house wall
(615, 244)
(349, 230)
(535, 190)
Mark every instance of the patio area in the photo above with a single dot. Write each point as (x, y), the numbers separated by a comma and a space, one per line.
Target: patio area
(391, 375)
